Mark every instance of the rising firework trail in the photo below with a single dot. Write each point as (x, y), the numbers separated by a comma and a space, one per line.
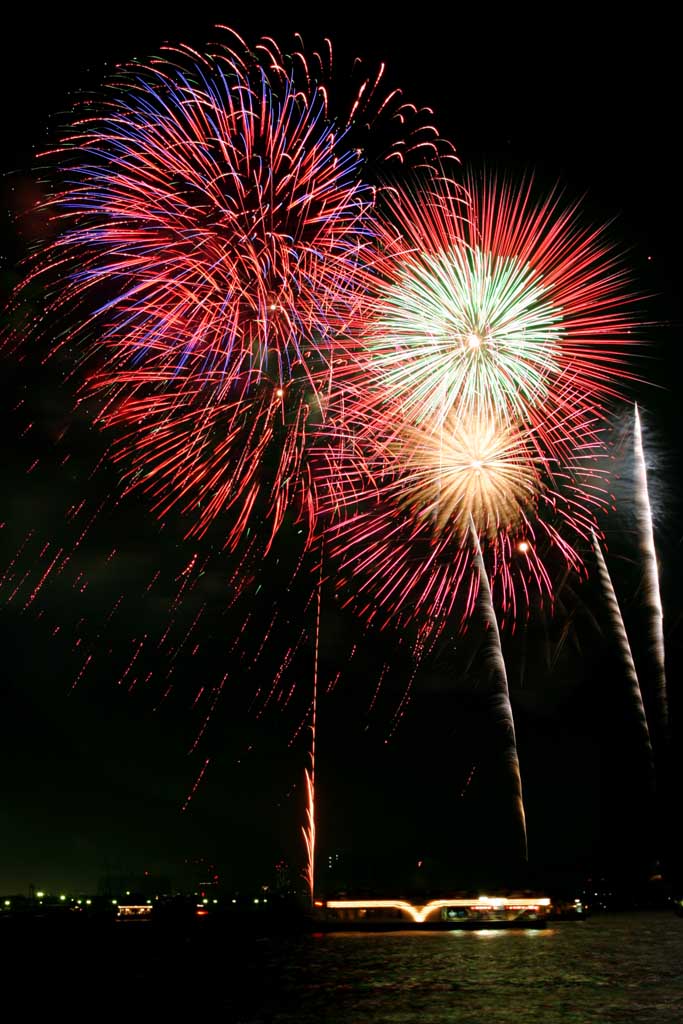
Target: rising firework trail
(653, 601)
(501, 698)
(626, 655)
(309, 828)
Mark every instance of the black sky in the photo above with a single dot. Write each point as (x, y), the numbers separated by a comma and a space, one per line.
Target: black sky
(94, 778)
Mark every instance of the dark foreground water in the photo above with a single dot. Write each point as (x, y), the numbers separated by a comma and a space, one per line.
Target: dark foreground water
(613, 968)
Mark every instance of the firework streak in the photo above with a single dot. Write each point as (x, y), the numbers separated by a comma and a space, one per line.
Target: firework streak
(653, 599)
(626, 655)
(501, 703)
(309, 828)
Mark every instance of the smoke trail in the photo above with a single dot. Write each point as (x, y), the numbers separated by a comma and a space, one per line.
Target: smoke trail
(653, 601)
(501, 703)
(625, 651)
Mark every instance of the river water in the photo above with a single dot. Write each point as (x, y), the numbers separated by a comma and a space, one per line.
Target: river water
(611, 968)
(625, 968)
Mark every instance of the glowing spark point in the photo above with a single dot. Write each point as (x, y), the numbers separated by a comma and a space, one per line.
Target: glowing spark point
(473, 341)
(523, 547)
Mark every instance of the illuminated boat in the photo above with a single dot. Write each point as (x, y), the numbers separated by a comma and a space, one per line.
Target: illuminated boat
(134, 912)
(449, 913)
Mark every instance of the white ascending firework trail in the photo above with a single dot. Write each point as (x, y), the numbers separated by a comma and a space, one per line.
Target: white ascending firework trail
(502, 697)
(653, 599)
(625, 651)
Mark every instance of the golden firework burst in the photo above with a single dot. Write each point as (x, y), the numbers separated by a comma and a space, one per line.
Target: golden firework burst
(469, 467)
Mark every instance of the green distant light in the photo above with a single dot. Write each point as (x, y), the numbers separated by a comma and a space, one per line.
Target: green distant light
(40, 895)
(8, 903)
(62, 897)
(88, 902)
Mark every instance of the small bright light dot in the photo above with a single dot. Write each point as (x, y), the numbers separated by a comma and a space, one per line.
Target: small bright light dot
(523, 546)
(62, 898)
(88, 902)
(280, 392)
(476, 464)
(473, 341)
(40, 895)
(205, 901)
(8, 903)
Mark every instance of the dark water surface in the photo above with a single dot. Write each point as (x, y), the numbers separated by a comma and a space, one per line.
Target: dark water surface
(617, 968)
(624, 968)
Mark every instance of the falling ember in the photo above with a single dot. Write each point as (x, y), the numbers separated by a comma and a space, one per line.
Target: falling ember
(196, 785)
(653, 599)
(625, 651)
(502, 701)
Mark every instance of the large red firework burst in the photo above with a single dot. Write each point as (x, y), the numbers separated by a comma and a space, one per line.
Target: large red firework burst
(210, 234)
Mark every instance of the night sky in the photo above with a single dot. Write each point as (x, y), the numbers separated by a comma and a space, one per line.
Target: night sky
(95, 776)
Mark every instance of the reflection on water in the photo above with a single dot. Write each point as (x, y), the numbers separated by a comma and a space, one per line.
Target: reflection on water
(620, 968)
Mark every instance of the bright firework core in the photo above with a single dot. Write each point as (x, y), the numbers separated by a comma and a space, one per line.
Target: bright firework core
(469, 467)
(506, 332)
